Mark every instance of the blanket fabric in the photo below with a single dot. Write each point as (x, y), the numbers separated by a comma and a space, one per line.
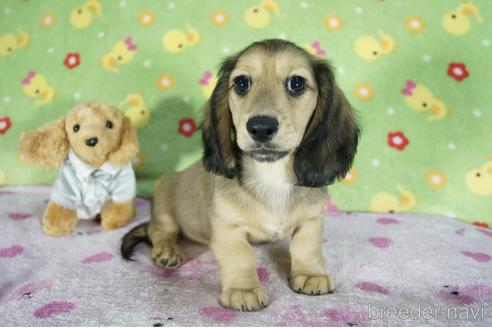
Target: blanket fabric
(418, 72)
(390, 270)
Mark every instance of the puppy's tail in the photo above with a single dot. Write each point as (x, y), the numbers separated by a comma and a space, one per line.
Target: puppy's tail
(133, 238)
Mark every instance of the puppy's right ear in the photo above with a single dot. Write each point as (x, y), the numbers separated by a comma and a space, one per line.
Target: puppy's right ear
(218, 134)
(46, 147)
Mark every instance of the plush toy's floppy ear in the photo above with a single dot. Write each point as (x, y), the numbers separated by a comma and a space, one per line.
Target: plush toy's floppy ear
(218, 135)
(46, 147)
(330, 141)
(128, 146)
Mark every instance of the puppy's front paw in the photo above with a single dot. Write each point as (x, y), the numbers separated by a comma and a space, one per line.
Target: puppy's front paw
(244, 299)
(312, 285)
(167, 255)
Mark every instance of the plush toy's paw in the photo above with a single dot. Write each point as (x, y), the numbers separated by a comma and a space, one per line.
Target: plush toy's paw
(58, 220)
(312, 285)
(117, 215)
(254, 299)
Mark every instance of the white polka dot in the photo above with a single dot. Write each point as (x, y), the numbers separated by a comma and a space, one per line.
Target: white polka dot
(375, 162)
(304, 4)
(76, 95)
(477, 113)
(436, 179)
(7, 11)
(363, 92)
(486, 42)
(147, 63)
(415, 23)
(226, 50)
(451, 215)
(100, 35)
(282, 36)
(334, 22)
(359, 10)
(451, 146)
(51, 50)
(122, 3)
(7, 99)
(186, 99)
(164, 147)
(171, 5)
(390, 110)
(341, 70)
(427, 58)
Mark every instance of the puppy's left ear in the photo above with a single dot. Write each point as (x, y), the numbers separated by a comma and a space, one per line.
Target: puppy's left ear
(128, 145)
(330, 141)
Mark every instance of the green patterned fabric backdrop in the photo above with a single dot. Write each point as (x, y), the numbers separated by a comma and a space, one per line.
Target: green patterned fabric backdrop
(418, 72)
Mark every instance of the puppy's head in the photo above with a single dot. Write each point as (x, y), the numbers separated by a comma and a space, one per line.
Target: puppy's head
(274, 99)
(95, 131)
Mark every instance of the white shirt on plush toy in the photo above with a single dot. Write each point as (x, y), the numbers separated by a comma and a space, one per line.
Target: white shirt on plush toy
(87, 189)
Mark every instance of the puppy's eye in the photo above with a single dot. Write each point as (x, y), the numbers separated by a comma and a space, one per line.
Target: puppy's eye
(242, 83)
(76, 128)
(109, 124)
(295, 85)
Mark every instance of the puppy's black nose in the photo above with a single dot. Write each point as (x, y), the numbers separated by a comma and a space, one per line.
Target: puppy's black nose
(262, 128)
(91, 142)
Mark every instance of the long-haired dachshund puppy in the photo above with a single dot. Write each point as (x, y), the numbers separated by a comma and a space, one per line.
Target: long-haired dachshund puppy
(276, 130)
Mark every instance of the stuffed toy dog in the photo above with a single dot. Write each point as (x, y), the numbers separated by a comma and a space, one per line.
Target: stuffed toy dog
(94, 144)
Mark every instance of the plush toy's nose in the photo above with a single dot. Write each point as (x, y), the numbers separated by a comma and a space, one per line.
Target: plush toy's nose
(91, 142)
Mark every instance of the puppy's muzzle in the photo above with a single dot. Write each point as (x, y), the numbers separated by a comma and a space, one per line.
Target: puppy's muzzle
(262, 128)
(91, 142)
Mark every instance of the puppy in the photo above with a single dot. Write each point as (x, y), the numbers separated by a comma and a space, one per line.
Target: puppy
(276, 130)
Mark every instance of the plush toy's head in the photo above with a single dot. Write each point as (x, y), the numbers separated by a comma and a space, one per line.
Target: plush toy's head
(95, 131)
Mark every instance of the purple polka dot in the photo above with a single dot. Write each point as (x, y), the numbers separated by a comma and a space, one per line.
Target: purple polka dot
(387, 221)
(218, 313)
(380, 242)
(11, 251)
(54, 308)
(477, 256)
(372, 287)
(99, 257)
(19, 216)
(263, 274)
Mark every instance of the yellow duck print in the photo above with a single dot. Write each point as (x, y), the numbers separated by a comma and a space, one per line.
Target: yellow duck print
(9, 42)
(389, 203)
(36, 86)
(207, 83)
(419, 98)
(479, 181)
(175, 41)
(3, 178)
(457, 22)
(81, 17)
(258, 16)
(121, 54)
(370, 49)
(136, 111)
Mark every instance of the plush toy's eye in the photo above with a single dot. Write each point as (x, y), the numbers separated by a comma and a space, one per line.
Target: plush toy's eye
(109, 124)
(242, 83)
(295, 85)
(76, 128)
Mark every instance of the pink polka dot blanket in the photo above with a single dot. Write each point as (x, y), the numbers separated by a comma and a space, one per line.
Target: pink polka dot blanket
(399, 269)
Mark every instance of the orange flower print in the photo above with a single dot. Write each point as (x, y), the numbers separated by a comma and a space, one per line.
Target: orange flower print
(48, 20)
(146, 18)
(219, 18)
(436, 179)
(363, 91)
(333, 22)
(415, 24)
(165, 82)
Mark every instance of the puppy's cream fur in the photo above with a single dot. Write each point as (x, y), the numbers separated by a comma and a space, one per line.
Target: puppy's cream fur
(232, 200)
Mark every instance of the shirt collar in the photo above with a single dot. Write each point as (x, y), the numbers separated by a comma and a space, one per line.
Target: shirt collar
(85, 170)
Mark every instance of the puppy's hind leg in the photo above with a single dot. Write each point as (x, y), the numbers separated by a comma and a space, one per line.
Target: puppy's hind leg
(163, 233)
